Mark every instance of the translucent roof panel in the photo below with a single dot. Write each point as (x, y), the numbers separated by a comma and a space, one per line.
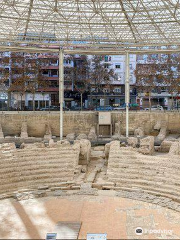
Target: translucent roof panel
(118, 22)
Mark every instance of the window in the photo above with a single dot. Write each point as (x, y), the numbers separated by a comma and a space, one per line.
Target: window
(67, 61)
(106, 58)
(54, 62)
(117, 90)
(67, 71)
(7, 83)
(130, 66)
(54, 73)
(46, 72)
(53, 84)
(118, 66)
(106, 90)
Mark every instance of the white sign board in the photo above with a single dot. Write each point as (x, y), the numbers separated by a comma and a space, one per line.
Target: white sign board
(96, 236)
(104, 118)
(102, 102)
(51, 236)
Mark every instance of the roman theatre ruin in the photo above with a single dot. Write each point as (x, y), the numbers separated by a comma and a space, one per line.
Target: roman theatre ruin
(89, 184)
(114, 173)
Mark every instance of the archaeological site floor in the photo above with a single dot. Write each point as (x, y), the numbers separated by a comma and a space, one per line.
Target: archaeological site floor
(105, 213)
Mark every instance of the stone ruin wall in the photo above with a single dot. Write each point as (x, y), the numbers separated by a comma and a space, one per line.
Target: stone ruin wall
(82, 122)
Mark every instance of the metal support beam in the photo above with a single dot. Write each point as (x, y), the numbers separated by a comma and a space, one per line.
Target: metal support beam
(127, 93)
(61, 90)
(90, 51)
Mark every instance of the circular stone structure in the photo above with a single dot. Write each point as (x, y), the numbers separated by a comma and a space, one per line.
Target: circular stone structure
(116, 216)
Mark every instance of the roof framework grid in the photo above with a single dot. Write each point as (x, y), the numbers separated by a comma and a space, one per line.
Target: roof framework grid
(87, 23)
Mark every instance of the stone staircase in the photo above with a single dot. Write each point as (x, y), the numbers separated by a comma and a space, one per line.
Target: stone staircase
(34, 167)
(158, 175)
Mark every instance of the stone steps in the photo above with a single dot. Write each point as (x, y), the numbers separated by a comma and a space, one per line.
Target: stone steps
(125, 182)
(25, 164)
(151, 190)
(144, 176)
(36, 172)
(49, 175)
(31, 184)
(26, 168)
(159, 175)
(147, 184)
(44, 154)
(37, 151)
(41, 180)
(143, 160)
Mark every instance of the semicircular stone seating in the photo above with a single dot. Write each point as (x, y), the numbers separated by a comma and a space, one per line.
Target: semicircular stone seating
(35, 166)
(131, 170)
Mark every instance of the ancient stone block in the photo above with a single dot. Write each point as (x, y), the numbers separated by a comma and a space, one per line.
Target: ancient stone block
(107, 148)
(81, 136)
(139, 132)
(24, 133)
(175, 148)
(84, 146)
(117, 131)
(161, 126)
(99, 148)
(132, 141)
(1, 132)
(48, 133)
(147, 145)
(115, 145)
(165, 146)
(7, 147)
(92, 134)
(32, 145)
(71, 137)
(52, 143)
(63, 143)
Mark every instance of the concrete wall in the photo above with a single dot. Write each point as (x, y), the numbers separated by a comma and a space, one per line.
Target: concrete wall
(81, 122)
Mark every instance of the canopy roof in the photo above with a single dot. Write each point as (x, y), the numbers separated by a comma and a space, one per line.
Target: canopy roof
(87, 23)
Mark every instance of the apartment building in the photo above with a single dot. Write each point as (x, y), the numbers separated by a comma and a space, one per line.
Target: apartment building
(45, 67)
(164, 71)
(115, 95)
(34, 68)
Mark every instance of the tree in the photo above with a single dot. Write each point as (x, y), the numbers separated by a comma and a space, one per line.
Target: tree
(19, 76)
(5, 77)
(81, 76)
(145, 81)
(159, 73)
(37, 81)
(101, 75)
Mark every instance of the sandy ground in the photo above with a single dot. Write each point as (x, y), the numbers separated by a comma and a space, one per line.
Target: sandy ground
(118, 217)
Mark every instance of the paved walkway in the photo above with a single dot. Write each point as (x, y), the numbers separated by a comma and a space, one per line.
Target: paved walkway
(118, 217)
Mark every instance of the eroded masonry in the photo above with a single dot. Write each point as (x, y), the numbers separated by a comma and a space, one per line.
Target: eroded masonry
(143, 167)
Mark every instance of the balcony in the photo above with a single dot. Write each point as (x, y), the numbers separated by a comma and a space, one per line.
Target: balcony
(50, 67)
(49, 89)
